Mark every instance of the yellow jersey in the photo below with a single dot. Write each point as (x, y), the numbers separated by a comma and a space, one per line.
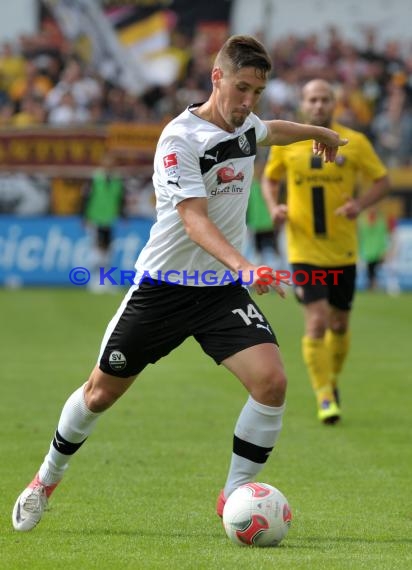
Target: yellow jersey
(315, 189)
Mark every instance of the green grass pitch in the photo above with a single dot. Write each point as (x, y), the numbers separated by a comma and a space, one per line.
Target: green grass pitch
(141, 492)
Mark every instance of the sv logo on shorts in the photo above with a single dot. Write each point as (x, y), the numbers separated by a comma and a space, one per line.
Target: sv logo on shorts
(117, 360)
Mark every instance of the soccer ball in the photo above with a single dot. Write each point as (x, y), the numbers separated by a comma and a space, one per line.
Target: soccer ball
(257, 514)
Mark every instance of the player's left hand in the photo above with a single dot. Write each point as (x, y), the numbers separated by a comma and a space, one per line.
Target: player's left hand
(328, 144)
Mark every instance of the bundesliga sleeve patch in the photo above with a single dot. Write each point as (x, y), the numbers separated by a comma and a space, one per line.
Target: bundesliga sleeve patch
(171, 168)
(170, 160)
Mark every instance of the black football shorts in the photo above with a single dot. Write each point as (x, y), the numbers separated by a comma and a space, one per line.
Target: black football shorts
(155, 317)
(335, 284)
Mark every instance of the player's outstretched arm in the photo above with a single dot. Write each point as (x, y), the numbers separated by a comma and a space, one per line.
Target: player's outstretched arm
(326, 142)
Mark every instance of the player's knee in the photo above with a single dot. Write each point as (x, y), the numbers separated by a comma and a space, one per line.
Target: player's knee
(280, 384)
(316, 327)
(271, 389)
(339, 326)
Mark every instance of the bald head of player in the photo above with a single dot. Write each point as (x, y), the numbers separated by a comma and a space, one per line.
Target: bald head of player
(317, 103)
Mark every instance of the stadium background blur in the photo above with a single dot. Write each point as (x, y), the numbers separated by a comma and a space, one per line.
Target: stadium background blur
(83, 79)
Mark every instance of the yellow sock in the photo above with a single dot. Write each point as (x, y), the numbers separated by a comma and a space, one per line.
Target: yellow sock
(317, 359)
(337, 345)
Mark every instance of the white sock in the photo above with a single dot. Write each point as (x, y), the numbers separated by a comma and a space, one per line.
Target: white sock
(75, 425)
(256, 432)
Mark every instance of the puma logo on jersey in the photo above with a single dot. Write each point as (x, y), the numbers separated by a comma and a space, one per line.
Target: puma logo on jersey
(175, 182)
(211, 157)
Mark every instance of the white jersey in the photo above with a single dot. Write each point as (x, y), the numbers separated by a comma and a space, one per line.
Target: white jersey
(195, 158)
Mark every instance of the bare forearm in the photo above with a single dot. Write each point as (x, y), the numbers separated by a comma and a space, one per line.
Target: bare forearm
(378, 191)
(205, 234)
(353, 207)
(270, 192)
(287, 132)
(202, 231)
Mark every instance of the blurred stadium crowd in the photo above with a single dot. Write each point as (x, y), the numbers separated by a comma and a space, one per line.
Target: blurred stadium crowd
(45, 80)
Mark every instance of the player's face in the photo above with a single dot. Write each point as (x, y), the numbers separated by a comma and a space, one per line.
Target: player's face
(317, 105)
(237, 95)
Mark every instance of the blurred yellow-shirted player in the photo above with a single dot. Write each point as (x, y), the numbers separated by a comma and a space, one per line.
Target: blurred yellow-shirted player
(320, 214)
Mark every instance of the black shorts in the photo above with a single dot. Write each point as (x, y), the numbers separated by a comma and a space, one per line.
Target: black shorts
(336, 284)
(264, 240)
(155, 317)
(372, 268)
(104, 236)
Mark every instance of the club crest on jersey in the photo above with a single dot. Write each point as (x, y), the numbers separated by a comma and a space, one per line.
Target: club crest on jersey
(244, 144)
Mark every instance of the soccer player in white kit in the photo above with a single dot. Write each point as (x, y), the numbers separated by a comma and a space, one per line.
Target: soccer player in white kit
(190, 276)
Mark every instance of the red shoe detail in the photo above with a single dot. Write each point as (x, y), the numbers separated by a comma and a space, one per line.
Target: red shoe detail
(37, 483)
(220, 504)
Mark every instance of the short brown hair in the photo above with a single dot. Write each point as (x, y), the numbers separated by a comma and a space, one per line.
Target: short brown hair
(244, 51)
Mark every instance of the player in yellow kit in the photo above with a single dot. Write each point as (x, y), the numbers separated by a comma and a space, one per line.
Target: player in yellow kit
(322, 204)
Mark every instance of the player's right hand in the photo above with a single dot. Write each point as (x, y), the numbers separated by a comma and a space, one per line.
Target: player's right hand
(279, 214)
(265, 278)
